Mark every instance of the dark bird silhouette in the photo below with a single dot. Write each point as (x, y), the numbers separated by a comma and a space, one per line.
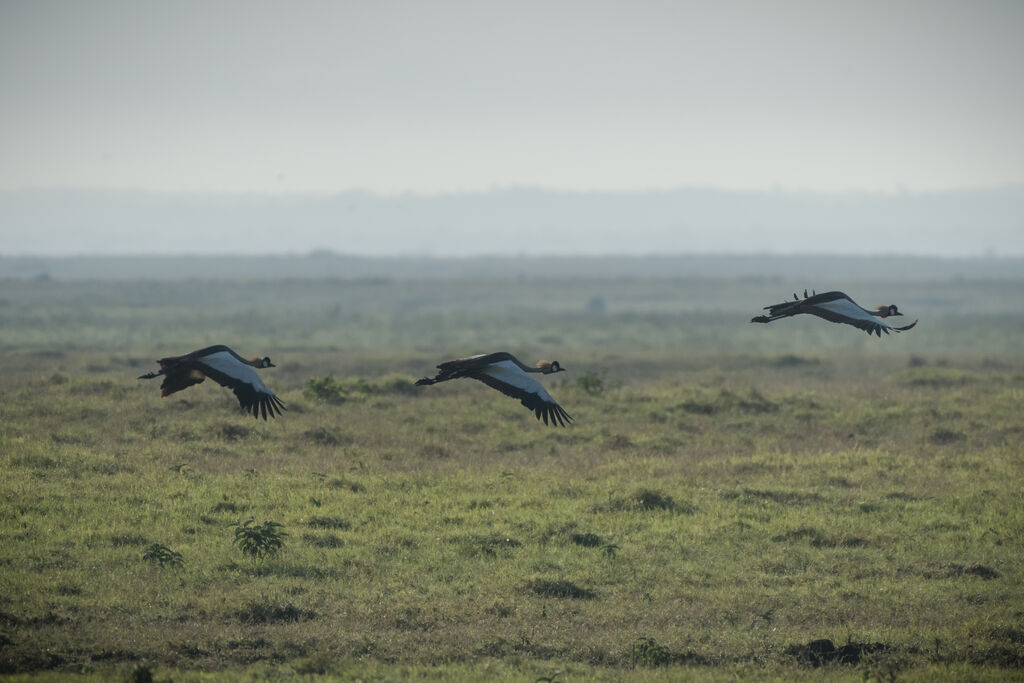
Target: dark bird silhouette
(225, 367)
(504, 372)
(836, 307)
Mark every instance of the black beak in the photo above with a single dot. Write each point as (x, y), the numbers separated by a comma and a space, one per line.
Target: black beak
(271, 365)
(897, 313)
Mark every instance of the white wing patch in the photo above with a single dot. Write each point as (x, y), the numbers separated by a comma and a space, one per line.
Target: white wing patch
(847, 308)
(510, 373)
(852, 311)
(224, 362)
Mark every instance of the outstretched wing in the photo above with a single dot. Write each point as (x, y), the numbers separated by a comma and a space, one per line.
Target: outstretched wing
(252, 393)
(846, 311)
(797, 305)
(509, 379)
(473, 362)
(464, 367)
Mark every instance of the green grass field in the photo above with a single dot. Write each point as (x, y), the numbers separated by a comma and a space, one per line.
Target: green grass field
(728, 494)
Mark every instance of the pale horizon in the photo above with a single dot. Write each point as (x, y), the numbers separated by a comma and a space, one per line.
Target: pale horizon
(536, 127)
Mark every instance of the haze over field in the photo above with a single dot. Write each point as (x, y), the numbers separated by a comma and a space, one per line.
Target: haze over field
(455, 128)
(515, 222)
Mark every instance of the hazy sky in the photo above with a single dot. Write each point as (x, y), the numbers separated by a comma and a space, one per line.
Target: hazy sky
(447, 96)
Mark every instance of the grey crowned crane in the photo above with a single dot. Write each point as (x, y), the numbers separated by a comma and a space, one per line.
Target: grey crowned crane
(838, 308)
(504, 372)
(226, 368)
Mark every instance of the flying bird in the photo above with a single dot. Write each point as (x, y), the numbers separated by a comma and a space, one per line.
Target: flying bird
(225, 367)
(836, 307)
(504, 372)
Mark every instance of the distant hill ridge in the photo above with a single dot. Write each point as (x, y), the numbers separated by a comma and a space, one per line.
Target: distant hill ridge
(811, 271)
(514, 222)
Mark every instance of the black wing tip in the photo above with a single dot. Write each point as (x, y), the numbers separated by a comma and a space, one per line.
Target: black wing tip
(760, 319)
(425, 381)
(263, 406)
(555, 413)
(273, 406)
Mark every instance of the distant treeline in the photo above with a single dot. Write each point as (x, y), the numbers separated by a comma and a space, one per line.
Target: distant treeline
(825, 271)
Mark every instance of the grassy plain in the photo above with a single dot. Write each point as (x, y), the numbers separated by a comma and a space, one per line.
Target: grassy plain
(729, 493)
